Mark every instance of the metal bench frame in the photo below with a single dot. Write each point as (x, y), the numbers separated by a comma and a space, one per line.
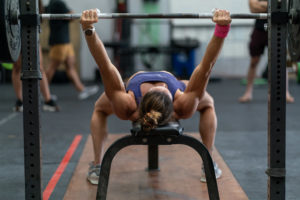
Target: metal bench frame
(169, 134)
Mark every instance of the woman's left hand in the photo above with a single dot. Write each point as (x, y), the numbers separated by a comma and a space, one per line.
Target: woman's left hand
(88, 18)
(221, 17)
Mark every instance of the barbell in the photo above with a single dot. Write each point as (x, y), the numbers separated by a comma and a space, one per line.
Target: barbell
(153, 16)
(11, 18)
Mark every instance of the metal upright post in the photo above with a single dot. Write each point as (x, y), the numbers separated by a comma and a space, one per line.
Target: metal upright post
(30, 76)
(277, 27)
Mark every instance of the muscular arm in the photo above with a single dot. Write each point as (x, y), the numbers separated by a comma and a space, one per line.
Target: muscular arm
(196, 87)
(200, 76)
(109, 73)
(257, 6)
(186, 103)
(123, 103)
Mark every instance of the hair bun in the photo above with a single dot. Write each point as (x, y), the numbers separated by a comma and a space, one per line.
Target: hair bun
(150, 120)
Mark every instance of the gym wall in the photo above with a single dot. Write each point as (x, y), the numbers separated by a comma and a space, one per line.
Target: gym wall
(234, 59)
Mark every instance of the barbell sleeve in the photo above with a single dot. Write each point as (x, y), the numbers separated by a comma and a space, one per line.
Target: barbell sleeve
(153, 16)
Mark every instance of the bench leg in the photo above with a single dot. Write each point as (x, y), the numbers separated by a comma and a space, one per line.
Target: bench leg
(211, 181)
(153, 157)
(106, 164)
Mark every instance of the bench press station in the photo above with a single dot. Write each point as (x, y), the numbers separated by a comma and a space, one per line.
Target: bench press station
(283, 17)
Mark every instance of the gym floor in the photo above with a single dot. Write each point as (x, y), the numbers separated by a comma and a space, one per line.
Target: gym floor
(241, 138)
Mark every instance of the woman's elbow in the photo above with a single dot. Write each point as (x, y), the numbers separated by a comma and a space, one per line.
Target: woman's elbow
(124, 112)
(123, 115)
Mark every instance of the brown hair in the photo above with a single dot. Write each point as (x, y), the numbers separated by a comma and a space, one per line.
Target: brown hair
(155, 109)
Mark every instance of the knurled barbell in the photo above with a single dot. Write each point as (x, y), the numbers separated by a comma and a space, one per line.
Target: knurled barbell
(10, 17)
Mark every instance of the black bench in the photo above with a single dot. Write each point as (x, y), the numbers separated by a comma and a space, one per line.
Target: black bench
(172, 133)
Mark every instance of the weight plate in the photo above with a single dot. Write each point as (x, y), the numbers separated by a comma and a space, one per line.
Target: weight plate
(10, 34)
(294, 31)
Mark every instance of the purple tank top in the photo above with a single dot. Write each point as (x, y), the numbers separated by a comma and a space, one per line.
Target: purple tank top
(136, 81)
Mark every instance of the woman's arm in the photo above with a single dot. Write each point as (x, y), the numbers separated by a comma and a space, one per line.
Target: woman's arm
(124, 104)
(257, 6)
(187, 102)
(200, 76)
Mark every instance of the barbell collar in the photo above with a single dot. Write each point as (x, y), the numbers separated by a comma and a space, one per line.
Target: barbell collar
(156, 15)
(280, 17)
(30, 19)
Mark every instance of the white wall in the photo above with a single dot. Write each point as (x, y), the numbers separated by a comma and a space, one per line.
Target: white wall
(234, 59)
(206, 6)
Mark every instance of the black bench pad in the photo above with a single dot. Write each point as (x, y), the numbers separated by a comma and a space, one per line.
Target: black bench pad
(170, 129)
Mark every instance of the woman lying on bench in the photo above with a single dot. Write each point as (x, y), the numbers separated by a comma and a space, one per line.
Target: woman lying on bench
(153, 98)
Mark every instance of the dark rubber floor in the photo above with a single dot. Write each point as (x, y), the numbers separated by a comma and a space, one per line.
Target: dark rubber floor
(241, 138)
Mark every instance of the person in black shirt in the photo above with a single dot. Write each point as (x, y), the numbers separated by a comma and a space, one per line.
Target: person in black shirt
(259, 40)
(62, 51)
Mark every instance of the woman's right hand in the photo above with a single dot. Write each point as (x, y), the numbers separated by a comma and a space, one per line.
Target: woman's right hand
(221, 17)
(88, 18)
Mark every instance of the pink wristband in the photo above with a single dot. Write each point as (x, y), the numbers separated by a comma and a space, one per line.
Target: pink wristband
(221, 31)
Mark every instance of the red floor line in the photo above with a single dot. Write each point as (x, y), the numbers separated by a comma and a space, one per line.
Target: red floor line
(61, 168)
